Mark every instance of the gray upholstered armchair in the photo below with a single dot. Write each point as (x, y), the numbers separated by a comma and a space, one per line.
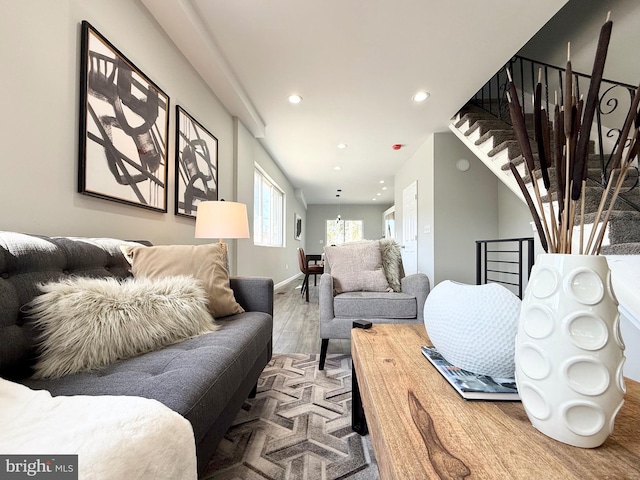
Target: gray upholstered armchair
(352, 289)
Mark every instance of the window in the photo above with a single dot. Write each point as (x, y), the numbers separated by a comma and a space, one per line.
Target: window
(341, 231)
(268, 211)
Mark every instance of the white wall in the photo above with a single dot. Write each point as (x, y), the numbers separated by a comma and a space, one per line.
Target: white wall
(466, 209)
(40, 55)
(514, 221)
(419, 168)
(277, 263)
(40, 58)
(579, 22)
(459, 207)
(315, 232)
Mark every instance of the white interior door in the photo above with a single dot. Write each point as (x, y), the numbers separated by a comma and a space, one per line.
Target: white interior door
(410, 229)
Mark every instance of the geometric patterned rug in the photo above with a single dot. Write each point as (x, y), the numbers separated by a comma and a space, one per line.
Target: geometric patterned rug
(297, 427)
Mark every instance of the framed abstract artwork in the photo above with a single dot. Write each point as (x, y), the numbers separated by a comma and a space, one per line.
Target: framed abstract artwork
(124, 126)
(297, 226)
(196, 164)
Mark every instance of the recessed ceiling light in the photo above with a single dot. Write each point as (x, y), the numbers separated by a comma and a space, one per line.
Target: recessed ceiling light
(381, 181)
(378, 194)
(421, 96)
(342, 145)
(384, 188)
(373, 199)
(295, 99)
(337, 167)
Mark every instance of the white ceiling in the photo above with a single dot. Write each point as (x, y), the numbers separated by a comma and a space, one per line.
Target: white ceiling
(356, 64)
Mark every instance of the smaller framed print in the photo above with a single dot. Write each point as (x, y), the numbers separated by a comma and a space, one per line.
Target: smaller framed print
(196, 164)
(297, 225)
(124, 127)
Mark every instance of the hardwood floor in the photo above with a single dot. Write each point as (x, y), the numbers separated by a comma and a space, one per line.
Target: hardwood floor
(296, 323)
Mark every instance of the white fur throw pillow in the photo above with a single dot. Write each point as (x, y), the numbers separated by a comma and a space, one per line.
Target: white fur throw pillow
(88, 323)
(392, 263)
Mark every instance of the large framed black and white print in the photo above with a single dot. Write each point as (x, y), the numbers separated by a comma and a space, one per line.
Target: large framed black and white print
(124, 126)
(196, 164)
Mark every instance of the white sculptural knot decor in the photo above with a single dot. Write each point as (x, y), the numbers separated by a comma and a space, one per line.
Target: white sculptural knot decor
(474, 326)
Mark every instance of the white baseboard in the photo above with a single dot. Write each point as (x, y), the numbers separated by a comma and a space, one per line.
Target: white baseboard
(287, 280)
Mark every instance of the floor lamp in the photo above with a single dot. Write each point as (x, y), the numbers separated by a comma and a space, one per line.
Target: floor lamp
(220, 219)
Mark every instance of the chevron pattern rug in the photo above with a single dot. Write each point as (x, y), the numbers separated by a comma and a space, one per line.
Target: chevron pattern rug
(297, 427)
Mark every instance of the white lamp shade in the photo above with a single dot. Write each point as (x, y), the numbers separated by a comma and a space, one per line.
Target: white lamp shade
(220, 219)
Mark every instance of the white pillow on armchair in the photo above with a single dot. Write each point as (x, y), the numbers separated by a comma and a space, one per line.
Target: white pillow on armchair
(357, 267)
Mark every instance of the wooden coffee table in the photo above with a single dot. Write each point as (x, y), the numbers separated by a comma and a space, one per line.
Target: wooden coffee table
(422, 429)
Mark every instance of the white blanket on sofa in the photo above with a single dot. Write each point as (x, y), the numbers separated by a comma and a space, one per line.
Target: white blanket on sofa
(115, 437)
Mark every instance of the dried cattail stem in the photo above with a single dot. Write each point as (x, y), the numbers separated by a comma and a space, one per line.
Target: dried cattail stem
(520, 129)
(530, 204)
(632, 114)
(603, 201)
(582, 201)
(571, 128)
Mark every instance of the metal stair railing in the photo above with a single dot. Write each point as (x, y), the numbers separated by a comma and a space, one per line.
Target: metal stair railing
(502, 261)
(613, 104)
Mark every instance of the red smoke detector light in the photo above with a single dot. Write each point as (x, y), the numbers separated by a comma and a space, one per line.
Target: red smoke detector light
(396, 146)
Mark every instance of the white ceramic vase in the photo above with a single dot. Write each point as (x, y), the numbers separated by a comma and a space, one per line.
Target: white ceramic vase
(569, 352)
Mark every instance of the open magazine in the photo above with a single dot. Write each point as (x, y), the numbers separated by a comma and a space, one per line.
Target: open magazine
(472, 386)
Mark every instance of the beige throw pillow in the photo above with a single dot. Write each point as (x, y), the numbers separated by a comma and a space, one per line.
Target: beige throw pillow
(356, 267)
(204, 262)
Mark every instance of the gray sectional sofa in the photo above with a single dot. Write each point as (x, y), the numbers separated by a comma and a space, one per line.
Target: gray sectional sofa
(205, 379)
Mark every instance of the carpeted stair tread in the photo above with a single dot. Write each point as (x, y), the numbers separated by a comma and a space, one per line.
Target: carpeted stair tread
(592, 200)
(593, 175)
(594, 171)
(513, 150)
(482, 127)
(630, 181)
(594, 161)
(471, 117)
(624, 226)
(553, 182)
(516, 161)
(498, 136)
(476, 114)
(621, 249)
(471, 108)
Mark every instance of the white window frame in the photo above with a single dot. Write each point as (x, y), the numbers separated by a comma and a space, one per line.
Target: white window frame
(274, 237)
(343, 221)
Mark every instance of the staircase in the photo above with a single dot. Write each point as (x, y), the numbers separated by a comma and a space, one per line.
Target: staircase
(493, 141)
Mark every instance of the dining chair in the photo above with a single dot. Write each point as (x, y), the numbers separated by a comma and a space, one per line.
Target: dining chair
(308, 270)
